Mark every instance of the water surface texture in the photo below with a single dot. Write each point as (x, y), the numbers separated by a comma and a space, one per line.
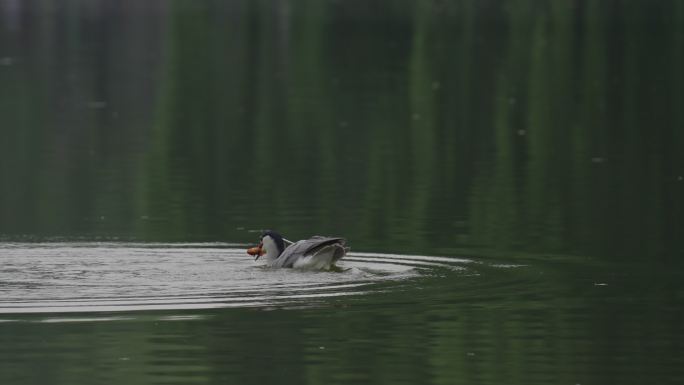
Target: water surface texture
(509, 175)
(114, 277)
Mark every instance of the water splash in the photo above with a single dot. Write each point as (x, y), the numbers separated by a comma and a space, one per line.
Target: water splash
(63, 277)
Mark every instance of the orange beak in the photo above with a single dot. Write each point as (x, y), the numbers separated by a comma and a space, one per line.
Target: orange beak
(258, 251)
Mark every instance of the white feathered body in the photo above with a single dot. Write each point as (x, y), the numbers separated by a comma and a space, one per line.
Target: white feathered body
(315, 253)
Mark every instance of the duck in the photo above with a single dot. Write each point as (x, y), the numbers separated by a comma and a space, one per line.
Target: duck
(315, 253)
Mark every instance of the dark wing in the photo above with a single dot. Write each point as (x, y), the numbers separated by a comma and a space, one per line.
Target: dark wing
(305, 247)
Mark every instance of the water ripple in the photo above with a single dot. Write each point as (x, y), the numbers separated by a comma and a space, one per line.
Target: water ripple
(115, 277)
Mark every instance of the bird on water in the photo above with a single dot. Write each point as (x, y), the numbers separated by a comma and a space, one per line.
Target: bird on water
(315, 253)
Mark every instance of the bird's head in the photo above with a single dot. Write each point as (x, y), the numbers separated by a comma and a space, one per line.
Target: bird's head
(271, 245)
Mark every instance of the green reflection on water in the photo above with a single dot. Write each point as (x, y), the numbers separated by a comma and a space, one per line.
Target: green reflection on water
(512, 328)
(549, 126)
(478, 128)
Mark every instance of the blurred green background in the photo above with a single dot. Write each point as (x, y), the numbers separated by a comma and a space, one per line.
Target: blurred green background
(541, 139)
(552, 126)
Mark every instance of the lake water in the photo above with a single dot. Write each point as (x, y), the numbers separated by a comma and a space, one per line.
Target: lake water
(509, 176)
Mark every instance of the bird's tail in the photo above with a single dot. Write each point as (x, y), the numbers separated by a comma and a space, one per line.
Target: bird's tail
(324, 258)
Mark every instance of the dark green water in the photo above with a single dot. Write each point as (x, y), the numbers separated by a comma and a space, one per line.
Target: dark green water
(540, 140)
